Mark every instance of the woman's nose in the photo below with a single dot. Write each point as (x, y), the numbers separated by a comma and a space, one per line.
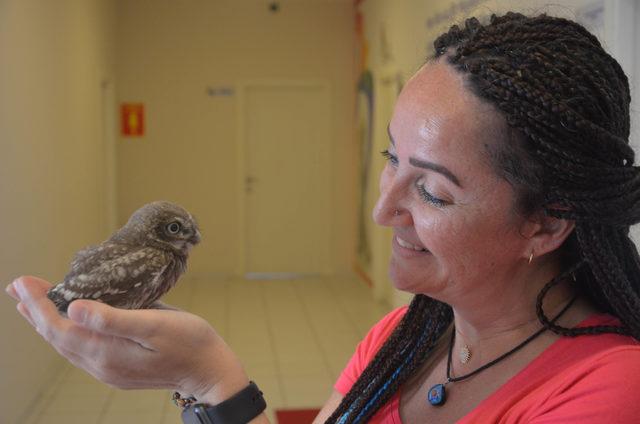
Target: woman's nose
(390, 210)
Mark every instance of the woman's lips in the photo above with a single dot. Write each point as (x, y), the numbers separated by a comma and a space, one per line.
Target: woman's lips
(409, 246)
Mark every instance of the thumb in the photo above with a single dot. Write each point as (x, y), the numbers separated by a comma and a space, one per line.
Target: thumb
(138, 325)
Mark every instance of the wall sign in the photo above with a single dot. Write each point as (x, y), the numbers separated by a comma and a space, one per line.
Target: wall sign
(132, 116)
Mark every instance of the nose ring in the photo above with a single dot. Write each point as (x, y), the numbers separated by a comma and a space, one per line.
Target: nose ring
(396, 212)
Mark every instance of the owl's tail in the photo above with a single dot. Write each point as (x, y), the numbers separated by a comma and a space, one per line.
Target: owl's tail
(58, 299)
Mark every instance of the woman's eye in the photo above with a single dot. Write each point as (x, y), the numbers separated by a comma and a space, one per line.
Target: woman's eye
(174, 228)
(429, 198)
(389, 157)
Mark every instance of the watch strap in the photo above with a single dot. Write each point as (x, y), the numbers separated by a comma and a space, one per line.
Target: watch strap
(240, 408)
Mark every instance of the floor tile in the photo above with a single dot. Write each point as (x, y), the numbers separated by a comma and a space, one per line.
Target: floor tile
(137, 401)
(132, 418)
(70, 418)
(79, 397)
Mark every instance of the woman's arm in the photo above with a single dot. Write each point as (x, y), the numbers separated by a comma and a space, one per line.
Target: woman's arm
(329, 406)
(136, 349)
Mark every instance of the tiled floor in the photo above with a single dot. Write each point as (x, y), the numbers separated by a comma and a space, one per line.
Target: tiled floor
(294, 337)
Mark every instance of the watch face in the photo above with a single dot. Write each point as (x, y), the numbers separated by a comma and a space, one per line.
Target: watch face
(195, 414)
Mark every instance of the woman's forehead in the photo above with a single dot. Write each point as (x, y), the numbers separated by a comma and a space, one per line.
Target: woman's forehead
(437, 102)
(439, 119)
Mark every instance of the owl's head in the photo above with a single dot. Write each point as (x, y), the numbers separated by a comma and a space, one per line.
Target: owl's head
(164, 225)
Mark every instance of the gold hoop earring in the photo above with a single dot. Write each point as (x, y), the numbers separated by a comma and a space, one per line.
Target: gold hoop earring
(530, 257)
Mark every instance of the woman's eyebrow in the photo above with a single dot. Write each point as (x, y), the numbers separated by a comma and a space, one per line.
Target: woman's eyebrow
(429, 165)
(437, 168)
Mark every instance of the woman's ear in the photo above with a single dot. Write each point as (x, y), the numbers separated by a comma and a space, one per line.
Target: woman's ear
(546, 233)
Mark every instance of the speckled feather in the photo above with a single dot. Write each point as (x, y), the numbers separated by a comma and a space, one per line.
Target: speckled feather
(137, 265)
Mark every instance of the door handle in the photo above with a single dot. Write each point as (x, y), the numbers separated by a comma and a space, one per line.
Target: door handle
(248, 183)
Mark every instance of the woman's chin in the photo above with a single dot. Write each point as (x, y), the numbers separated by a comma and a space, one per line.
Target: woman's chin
(405, 283)
(413, 283)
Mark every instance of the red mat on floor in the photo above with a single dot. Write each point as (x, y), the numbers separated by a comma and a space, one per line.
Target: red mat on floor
(296, 416)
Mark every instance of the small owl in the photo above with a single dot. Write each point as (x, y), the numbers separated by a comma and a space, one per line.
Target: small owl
(137, 265)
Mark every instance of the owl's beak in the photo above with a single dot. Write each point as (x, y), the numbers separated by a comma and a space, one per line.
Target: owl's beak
(195, 239)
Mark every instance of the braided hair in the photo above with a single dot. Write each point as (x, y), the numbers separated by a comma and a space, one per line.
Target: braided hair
(566, 103)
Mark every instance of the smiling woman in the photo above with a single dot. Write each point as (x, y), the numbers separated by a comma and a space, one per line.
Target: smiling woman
(510, 188)
(450, 201)
(509, 174)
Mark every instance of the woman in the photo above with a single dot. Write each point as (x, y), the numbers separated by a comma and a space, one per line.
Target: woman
(510, 189)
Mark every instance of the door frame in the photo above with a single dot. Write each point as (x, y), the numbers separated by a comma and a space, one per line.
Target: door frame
(109, 131)
(242, 88)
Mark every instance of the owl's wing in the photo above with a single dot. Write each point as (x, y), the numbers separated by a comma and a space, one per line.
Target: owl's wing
(116, 276)
(92, 256)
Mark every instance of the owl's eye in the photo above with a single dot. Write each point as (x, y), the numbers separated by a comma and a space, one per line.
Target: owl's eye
(174, 228)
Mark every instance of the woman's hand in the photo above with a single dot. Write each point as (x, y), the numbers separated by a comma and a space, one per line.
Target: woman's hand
(135, 349)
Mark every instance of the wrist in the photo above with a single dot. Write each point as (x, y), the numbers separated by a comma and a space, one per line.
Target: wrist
(212, 381)
(245, 406)
(223, 390)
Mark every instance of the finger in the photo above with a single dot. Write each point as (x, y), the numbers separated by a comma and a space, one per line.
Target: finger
(61, 333)
(161, 305)
(33, 295)
(11, 291)
(25, 313)
(137, 325)
(34, 283)
(42, 314)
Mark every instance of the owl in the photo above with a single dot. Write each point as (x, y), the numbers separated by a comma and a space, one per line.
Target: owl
(137, 265)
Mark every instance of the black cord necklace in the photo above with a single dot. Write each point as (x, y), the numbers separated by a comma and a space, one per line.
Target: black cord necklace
(437, 395)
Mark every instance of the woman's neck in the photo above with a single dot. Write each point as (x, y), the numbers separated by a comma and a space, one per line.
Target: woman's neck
(509, 313)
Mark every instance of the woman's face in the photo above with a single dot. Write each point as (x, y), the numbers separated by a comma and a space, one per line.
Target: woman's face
(450, 204)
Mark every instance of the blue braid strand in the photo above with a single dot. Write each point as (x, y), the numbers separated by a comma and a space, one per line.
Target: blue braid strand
(384, 387)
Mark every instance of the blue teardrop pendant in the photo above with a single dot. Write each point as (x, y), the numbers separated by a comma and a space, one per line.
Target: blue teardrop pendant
(437, 395)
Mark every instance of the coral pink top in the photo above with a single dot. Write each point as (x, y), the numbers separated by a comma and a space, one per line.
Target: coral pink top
(586, 380)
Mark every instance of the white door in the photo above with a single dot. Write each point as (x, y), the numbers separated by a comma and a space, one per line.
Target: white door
(287, 175)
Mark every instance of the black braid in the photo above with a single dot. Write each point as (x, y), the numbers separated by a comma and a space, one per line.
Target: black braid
(566, 103)
(425, 317)
(569, 101)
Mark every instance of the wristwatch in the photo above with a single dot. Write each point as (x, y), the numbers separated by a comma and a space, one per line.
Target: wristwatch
(241, 408)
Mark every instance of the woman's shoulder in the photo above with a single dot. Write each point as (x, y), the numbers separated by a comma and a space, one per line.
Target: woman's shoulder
(601, 385)
(580, 358)
(602, 344)
(585, 379)
(600, 357)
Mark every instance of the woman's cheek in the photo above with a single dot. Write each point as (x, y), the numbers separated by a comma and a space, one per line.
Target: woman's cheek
(439, 229)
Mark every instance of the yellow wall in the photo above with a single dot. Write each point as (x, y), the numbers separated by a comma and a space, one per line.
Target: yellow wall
(169, 53)
(53, 177)
(54, 56)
